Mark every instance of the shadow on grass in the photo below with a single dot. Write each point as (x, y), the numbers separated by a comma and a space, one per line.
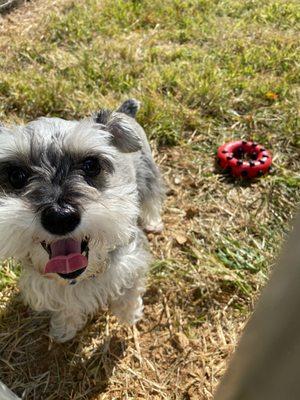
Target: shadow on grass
(227, 178)
(36, 368)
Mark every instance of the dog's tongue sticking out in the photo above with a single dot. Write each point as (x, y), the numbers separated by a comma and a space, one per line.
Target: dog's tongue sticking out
(66, 257)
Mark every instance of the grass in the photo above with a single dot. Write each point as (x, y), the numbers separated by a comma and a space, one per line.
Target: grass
(206, 72)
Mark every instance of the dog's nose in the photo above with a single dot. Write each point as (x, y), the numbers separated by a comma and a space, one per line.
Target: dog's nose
(60, 220)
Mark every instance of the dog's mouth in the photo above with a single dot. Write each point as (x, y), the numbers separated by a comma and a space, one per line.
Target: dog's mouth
(67, 257)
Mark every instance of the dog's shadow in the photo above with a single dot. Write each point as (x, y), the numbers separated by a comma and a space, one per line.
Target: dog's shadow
(36, 368)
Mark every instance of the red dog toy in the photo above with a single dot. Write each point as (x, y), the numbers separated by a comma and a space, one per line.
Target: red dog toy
(230, 158)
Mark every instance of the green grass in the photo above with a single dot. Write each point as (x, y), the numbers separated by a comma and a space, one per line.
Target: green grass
(232, 255)
(9, 272)
(192, 63)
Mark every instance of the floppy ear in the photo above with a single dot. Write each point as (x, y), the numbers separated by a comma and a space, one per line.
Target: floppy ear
(123, 134)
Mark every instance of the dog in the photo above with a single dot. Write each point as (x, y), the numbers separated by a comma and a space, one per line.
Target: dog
(76, 197)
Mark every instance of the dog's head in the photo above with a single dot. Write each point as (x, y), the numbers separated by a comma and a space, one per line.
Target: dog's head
(68, 192)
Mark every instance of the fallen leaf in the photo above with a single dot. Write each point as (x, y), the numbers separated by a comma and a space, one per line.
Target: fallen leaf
(180, 341)
(180, 238)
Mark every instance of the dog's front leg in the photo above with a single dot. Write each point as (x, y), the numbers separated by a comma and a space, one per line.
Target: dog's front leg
(65, 324)
(129, 306)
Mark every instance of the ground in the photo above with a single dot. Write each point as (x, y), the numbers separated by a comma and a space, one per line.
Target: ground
(206, 72)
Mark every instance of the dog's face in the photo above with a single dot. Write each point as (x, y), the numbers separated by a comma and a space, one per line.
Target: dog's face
(68, 193)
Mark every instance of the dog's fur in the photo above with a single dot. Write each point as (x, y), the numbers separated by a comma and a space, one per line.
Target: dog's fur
(115, 206)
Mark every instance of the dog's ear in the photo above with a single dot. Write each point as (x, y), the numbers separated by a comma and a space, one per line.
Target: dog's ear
(123, 135)
(130, 107)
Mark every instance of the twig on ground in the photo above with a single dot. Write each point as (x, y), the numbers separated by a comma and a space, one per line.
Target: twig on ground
(137, 344)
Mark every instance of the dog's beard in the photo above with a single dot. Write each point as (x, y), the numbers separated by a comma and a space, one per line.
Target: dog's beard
(107, 222)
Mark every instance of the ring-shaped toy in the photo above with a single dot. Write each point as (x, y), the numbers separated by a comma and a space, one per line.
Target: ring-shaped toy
(230, 158)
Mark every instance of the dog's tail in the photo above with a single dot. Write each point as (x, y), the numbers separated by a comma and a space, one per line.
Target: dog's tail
(129, 107)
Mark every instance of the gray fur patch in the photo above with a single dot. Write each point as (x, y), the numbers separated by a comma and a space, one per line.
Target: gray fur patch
(102, 116)
(123, 136)
(149, 180)
(130, 107)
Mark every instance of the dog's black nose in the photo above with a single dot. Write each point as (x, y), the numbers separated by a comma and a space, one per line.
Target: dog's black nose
(60, 220)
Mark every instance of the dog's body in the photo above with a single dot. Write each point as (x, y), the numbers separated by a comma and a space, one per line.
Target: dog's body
(75, 197)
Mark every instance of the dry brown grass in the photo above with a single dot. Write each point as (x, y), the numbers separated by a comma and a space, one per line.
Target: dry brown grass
(219, 242)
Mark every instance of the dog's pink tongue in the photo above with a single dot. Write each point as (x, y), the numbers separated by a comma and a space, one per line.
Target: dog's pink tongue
(66, 257)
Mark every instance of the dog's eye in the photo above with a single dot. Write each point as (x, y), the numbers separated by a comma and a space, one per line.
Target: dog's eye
(17, 177)
(91, 166)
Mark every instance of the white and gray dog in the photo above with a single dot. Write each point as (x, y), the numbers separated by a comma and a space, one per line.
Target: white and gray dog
(75, 196)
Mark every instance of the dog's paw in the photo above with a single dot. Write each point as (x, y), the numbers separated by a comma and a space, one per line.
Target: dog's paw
(63, 327)
(131, 318)
(154, 228)
(129, 313)
(62, 334)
